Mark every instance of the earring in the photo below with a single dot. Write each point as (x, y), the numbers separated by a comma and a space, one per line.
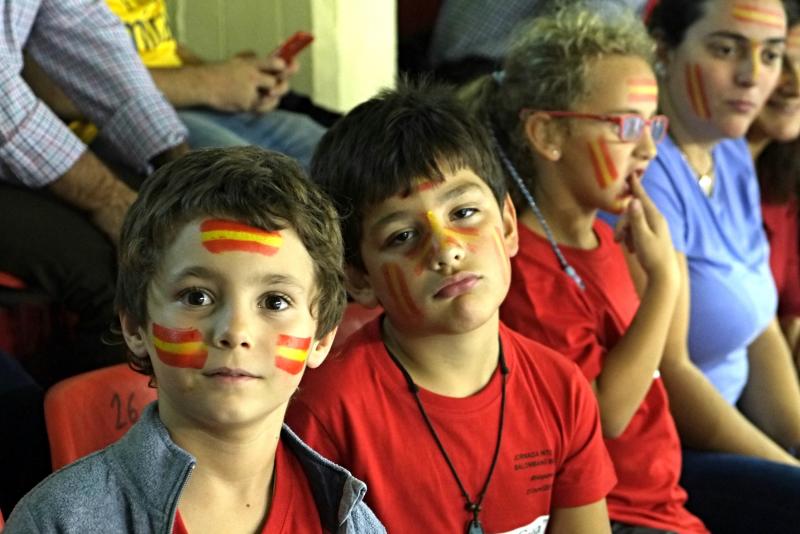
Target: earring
(660, 69)
(556, 153)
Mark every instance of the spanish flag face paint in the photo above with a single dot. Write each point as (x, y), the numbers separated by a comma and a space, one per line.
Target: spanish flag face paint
(180, 347)
(642, 90)
(793, 43)
(437, 238)
(291, 353)
(605, 172)
(397, 287)
(753, 13)
(696, 91)
(220, 236)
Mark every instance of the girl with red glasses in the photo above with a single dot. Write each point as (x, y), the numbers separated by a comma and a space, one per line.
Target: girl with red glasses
(574, 116)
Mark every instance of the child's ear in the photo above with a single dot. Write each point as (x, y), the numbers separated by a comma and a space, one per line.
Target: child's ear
(133, 334)
(320, 349)
(510, 235)
(359, 286)
(545, 136)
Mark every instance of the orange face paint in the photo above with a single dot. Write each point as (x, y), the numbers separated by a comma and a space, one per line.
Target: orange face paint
(755, 14)
(642, 90)
(292, 353)
(500, 251)
(180, 347)
(695, 88)
(605, 172)
(438, 238)
(398, 290)
(793, 42)
(220, 236)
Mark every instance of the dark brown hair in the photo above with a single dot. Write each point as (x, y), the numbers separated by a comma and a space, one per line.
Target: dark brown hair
(382, 146)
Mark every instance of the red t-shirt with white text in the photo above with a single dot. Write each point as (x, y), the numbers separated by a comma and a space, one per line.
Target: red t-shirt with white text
(357, 410)
(292, 509)
(546, 305)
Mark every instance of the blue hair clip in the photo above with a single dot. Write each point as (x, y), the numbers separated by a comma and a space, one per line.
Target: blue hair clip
(499, 76)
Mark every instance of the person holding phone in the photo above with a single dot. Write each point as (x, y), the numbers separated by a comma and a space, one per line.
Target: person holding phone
(223, 103)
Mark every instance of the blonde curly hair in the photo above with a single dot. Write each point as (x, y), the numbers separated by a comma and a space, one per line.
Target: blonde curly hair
(546, 68)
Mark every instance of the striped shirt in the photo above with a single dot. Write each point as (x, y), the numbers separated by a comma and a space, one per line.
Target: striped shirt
(85, 49)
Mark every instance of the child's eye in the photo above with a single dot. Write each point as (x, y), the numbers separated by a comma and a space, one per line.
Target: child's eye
(464, 213)
(400, 238)
(196, 297)
(275, 303)
(771, 57)
(722, 50)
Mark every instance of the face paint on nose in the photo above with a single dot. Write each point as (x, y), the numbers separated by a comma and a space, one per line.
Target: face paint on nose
(696, 91)
(755, 14)
(398, 291)
(605, 172)
(291, 353)
(642, 90)
(182, 347)
(755, 59)
(220, 236)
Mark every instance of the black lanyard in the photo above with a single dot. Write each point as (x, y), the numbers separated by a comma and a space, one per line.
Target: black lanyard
(474, 526)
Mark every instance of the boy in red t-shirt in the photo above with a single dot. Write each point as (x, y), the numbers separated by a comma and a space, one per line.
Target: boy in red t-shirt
(230, 285)
(455, 422)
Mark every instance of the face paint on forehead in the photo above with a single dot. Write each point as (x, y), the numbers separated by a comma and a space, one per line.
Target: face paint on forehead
(752, 13)
(398, 290)
(605, 172)
(180, 347)
(695, 89)
(291, 353)
(642, 90)
(220, 236)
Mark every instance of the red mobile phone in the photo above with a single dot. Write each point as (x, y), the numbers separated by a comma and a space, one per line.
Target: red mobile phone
(293, 45)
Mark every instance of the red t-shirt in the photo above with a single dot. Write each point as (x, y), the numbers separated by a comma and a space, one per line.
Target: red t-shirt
(546, 305)
(357, 410)
(780, 223)
(292, 508)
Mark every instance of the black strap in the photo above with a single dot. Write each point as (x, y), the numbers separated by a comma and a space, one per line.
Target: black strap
(474, 507)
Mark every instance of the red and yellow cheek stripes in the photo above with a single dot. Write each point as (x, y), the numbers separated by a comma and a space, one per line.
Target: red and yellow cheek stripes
(605, 172)
(642, 90)
(220, 236)
(180, 347)
(398, 290)
(292, 353)
(793, 43)
(695, 88)
(755, 14)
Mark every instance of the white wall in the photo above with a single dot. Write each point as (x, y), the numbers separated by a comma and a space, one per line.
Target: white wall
(353, 56)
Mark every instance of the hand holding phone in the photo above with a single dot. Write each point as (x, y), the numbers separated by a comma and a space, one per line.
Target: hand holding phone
(293, 45)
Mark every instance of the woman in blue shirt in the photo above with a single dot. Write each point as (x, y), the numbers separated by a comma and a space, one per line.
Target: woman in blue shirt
(719, 61)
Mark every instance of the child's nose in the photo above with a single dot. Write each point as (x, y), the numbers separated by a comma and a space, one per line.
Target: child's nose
(445, 249)
(233, 329)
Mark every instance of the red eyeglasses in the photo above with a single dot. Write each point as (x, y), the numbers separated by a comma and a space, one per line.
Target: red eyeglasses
(630, 127)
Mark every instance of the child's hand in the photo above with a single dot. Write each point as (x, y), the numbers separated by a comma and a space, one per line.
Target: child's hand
(645, 233)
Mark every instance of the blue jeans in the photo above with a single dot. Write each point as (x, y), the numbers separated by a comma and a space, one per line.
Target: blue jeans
(733, 493)
(290, 133)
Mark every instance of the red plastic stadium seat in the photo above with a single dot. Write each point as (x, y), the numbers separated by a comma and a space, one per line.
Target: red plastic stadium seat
(89, 411)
